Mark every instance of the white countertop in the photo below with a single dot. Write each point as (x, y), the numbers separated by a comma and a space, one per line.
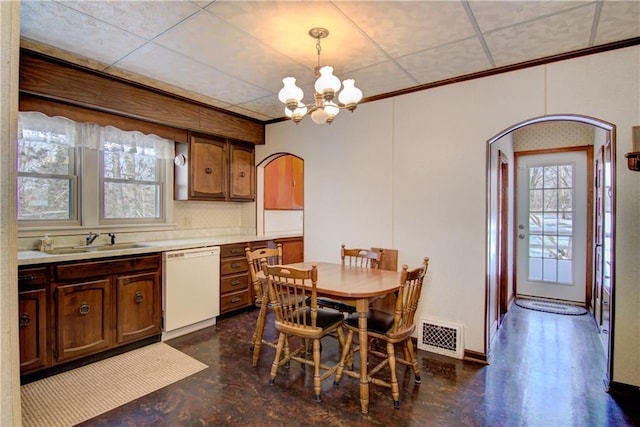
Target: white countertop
(36, 257)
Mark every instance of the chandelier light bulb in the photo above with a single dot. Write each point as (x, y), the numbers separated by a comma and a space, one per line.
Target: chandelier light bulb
(296, 114)
(350, 95)
(290, 94)
(332, 111)
(327, 84)
(319, 116)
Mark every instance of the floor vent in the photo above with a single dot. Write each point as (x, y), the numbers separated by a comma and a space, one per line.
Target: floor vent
(441, 337)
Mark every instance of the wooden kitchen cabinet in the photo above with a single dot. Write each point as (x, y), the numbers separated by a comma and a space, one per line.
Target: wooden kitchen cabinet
(32, 312)
(292, 249)
(235, 292)
(216, 169)
(138, 306)
(284, 184)
(83, 319)
(93, 306)
(208, 170)
(242, 184)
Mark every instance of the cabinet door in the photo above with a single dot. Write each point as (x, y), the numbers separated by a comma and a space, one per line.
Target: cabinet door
(284, 184)
(83, 319)
(208, 171)
(33, 329)
(292, 250)
(242, 177)
(137, 307)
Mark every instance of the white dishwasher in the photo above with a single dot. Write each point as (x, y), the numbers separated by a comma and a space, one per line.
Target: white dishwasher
(190, 290)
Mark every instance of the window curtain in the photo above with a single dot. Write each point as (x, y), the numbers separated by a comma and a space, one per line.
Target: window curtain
(90, 135)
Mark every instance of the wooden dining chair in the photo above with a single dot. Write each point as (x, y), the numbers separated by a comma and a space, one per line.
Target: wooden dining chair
(273, 256)
(289, 291)
(355, 257)
(393, 329)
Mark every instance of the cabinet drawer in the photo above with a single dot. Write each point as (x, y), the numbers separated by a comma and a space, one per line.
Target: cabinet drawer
(92, 269)
(233, 266)
(30, 278)
(234, 250)
(234, 283)
(234, 301)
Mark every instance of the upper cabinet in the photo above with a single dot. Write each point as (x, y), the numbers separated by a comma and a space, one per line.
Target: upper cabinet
(284, 184)
(212, 168)
(242, 181)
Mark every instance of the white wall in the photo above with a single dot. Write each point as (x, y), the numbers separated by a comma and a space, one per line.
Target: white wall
(410, 173)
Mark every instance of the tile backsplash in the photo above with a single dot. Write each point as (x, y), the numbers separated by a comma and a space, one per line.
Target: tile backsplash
(191, 220)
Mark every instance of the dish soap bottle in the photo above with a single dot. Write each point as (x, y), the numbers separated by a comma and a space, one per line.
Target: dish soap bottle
(46, 244)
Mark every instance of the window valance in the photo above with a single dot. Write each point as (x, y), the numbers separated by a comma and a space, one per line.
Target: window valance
(38, 126)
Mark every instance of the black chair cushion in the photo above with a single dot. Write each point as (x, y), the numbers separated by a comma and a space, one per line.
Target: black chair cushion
(377, 321)
(325, 319)
(336, 305)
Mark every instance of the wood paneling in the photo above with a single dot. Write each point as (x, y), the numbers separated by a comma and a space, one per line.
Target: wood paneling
(79, 114)
(56, 80)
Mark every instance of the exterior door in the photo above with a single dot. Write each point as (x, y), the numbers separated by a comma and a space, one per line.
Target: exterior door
(552, 225)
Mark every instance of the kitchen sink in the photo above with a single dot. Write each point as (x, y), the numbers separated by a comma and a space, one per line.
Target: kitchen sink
(93, 248)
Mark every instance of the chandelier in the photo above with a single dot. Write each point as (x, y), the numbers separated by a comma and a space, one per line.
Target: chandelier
(324, 108)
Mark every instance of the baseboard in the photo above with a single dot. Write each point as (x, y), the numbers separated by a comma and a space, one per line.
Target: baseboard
(474, 356)
(623, 389)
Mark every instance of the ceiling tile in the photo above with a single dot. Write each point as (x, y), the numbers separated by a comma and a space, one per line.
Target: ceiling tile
(285, 25)
(146, 19)
(558, 33)
(160, 63)
(493, 15)
(454, 59)
(75, 31)
(403, 27)
(220, 49)
(619, 20)
(372, 81)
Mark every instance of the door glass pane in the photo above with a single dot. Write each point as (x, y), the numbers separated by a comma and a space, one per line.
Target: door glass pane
(551, 223)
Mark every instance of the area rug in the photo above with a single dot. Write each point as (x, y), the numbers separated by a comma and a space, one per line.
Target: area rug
(551, 306)
(74, 396)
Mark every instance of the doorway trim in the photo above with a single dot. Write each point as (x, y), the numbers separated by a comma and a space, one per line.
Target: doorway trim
(491, 233)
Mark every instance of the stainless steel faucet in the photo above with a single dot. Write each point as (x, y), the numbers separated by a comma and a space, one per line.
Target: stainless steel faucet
(91, 237)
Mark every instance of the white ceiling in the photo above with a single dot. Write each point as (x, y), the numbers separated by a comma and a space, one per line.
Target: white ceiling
(234, 54)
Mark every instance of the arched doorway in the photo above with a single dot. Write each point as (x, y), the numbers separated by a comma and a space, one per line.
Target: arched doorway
(280, 195)
(503, 229)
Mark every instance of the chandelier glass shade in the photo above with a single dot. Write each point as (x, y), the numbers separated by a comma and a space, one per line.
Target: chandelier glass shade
(325, 106)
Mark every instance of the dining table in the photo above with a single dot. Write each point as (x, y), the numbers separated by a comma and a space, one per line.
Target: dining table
(357, 286)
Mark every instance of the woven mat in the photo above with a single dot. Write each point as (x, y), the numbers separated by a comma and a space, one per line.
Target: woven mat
(83, 393)
(551, 307)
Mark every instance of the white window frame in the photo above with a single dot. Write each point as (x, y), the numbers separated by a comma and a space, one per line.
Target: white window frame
(87, 201)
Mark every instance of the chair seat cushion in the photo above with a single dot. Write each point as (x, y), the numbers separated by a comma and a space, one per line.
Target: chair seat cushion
(336, 305)
(325, 319)
(377, 321)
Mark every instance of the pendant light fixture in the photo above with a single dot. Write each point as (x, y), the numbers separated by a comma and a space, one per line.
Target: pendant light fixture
(325, 107)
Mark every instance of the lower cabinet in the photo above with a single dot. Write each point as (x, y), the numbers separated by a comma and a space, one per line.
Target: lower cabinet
(235, 290)
(292, 249)
(33, 329)
(83, 319)
(138, 307)
(84, 308)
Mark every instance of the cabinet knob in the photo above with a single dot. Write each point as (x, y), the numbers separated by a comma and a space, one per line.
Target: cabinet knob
(208, 171)
(84, 309)
(235, 283)
(235, 265)
(138, 298)
(242, 174)
(25, 320)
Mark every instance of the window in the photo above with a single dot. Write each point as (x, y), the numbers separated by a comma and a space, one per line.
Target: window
(126, 169)
(47, 183)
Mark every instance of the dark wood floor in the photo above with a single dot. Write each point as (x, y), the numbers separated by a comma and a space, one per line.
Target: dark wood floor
(546, 370)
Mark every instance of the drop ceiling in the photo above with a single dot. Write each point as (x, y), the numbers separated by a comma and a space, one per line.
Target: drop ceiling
(234, 54)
